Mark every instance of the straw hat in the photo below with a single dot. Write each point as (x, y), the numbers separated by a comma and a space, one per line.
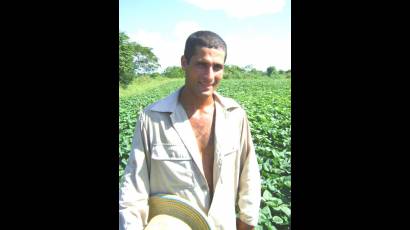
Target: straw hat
(172, 212)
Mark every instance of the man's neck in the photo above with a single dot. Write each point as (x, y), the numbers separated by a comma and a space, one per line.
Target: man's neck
(194, 104)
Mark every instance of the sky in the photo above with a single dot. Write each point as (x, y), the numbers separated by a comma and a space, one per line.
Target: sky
(257, 32)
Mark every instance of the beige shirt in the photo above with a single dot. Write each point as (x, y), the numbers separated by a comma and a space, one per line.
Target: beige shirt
(165, 158)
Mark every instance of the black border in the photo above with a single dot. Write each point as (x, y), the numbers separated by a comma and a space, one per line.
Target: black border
(61, 113)
(62, 137)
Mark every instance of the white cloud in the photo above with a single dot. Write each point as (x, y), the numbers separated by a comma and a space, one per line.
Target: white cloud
(210, 4)
(259, 51)
(168, 49)
(165, 49)
(241, 8)
(185, 28)
(145, 38)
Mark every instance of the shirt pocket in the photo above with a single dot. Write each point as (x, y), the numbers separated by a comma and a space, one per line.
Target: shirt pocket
(171, 168)
(226, 164)
(230, 152)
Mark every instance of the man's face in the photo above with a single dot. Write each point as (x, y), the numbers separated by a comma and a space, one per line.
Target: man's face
(204, 71)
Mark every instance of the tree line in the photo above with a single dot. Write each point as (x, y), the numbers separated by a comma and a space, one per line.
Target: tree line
(136, 60)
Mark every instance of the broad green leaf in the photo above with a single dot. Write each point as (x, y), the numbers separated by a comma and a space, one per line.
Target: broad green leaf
(266, 211)
(277, 220)
(267, 195)
(285, 209)
(287, 183)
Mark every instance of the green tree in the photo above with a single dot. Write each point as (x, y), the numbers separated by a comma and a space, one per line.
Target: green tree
(233, 71)
(126, 55)
(174, 72)
(271, 70)
(248, 68)
(288, 73)
(255, 73)
(145, 60)
(134, 59)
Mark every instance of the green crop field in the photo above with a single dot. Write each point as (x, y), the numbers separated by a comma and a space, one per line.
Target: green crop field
(267, 103)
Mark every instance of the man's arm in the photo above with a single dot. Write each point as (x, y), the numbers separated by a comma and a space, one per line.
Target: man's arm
(249, 191)
(134, 191)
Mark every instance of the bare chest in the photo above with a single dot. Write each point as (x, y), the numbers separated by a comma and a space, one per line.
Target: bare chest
(203, 130)
(203, 127)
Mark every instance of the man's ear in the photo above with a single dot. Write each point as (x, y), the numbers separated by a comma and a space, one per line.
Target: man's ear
(184, 62)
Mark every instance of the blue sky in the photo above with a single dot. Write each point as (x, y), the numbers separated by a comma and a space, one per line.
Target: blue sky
(257, 32)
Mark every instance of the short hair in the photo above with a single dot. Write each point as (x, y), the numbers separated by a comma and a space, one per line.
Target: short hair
(206, 39)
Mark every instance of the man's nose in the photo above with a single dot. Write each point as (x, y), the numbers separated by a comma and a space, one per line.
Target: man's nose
(209, 73)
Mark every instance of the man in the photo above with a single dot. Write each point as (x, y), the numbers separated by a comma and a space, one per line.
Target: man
(195, 144)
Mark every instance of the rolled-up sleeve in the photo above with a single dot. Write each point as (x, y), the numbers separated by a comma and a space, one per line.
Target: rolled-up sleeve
(249, 194)
(134, 191)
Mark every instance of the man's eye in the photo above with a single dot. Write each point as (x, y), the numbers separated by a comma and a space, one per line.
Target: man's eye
(218, 67)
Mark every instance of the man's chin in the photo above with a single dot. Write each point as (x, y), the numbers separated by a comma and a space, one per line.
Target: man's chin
(205, 93)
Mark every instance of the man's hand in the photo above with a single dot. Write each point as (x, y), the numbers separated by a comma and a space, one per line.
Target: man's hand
(242, 226)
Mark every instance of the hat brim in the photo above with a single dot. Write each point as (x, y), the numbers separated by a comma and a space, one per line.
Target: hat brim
(179, 208)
